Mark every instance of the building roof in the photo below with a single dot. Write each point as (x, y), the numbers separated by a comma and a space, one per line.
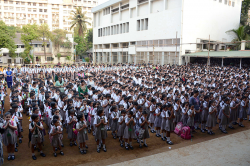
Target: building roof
(18, 41)
(221, 54)
(104, 5)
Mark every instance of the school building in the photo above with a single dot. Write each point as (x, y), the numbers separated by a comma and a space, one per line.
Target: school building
(161, 31)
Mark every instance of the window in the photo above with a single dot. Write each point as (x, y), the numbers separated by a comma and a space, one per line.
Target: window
(142, 24)
(220, 1)
(22, 3)
(29, 4)
(34, 10)
(65, 12)
(225, 2)
(18, 9)
(50, 59)
(123, 29)
(23, 8)
(146, 24)
(40, 4)
(45, 10)
(138, 25)
(64, 6)
(6, 8)
(34, 4)
(127, 27)
(18, 3)
(233, 3)
(47, 45)
(22, 46)
(11, 2)
(29, 9)
(12, 8)
(111, 30)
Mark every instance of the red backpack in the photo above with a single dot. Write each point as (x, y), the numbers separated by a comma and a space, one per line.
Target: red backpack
(186, 132)
(178, 128)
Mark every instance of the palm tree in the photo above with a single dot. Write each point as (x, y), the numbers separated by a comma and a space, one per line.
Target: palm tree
(240, 34)
(44, 32)
(79, 22)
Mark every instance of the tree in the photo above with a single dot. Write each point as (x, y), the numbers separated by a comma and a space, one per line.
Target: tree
(79, 23)
(45, 33)
(16, 29)
(7, 39)
(240, 34)
(30, 32)
(58, 55)
(68, 58)
(58, 38)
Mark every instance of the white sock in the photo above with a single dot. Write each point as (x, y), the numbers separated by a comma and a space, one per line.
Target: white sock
(159, 131)
(97, 146)
(208, 130)
(41, 151)
(103, 146)
(20, 138)
(201, 126)
(223, 127)
(9, 154)
(126, 144)
(168, 138)
(12, 154)
(144, 141)
(162, 135)
(130, 143)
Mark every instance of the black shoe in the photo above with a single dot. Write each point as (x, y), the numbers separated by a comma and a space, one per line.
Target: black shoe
(202, 131)
(245, 118)
(89, 131)
(16, 150)
(55, 149)
(114, 137)
(55, 154)
(62, 153)
(241, 125)
(169, 142)
(81, 151)
(34, 147)
(145, 145)
(126, 147)
(152, 131)
(21, 136)
(9, 158)
(205, 129)
(84, 151)
(13, 157)
(42, 154)
(38, 149)
(16, 144)
(34, 157)
(104, 149)
(75, 144)
(121, 145)
(86, 146)
(70, 144)
(131, 147)
(138, 141)
(224, 131)
(163, 139)
(231, 127)
(210, 133)
(220, 128)
(62, 145)
(21, 130)
(20, 141)
(98, 150)
(140, 146)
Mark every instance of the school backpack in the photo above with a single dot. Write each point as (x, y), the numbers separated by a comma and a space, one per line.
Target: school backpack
(186, 132)
(178, 128)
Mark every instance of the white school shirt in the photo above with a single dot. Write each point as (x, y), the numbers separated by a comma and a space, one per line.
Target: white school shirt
(211, 109)
(190, 112)
(78, 124)
(121, 119)
(30, 127)
(163, 114)
(141, 120)
(114, 116)
(98, 117)
(127, 119)
(68, 121)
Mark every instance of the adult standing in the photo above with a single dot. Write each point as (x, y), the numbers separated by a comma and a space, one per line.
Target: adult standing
(60, 84)
(194, 100)
(9, 75)
(82, 88)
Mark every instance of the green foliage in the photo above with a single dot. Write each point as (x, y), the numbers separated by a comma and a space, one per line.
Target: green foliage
(30, 32)
(89, 36)
(240, 34)
(59, 38)
(87, 59)
(58, 55)
(244, 16)
(66, 44)
(81, 48)
(7, 39)
(15, 29)
(68, 58)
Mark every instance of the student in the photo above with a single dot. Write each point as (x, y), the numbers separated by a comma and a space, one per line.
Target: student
(152, 115)
(82, 135)
(185, 109)
(144, 125)
(9, 137)
(122, 126)
(225, 115)
(115, 117)
(211, 120)
(243, 108)
(158, 119)
(71, 120)
(101, 132)
(55, 133)
(163, 123)
(36, 128)
(204, 114)
(169, 122)
(129, 132)
(191, 115)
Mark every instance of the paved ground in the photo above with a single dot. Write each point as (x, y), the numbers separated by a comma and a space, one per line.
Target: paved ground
(228, 150)
(116, 154)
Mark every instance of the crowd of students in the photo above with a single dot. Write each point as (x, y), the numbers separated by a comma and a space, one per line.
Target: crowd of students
(129, 100)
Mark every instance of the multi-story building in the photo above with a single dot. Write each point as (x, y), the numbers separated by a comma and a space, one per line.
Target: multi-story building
(161, 31)
(38, 52)
(56, 13)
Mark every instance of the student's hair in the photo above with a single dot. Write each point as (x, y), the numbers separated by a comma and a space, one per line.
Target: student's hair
(7, 113)
(54, 110)
(71, 111)
(113, 108)
(139, 107)
(206, 97)
(123, 112)
(79, 116)
(144, 112)
(34, 116)
(54, 121)
(130, 113)
(99, 111)
(211, 102)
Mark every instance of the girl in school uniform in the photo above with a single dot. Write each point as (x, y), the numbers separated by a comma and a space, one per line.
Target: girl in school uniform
(243, 108)
(233, 112)
(36, 128)
(158, 119)
(211, 120)
(177, 111)
(185, 109)
(129, 132)
(71, 120)
(144, 124)
(152, 114)
(101, 132)
(82, 135)
(122, 126)
(204, 114)
(225, 115)
(115, 117)
(169, 122)
(55, 136)
(163, 122)
(9, 135)
(190, 121)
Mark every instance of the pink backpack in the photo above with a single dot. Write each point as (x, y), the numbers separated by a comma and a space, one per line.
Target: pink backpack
(186, 133)
(178, 128)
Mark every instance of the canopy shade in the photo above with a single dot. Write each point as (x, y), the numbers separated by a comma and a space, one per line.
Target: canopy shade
(221, 54)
